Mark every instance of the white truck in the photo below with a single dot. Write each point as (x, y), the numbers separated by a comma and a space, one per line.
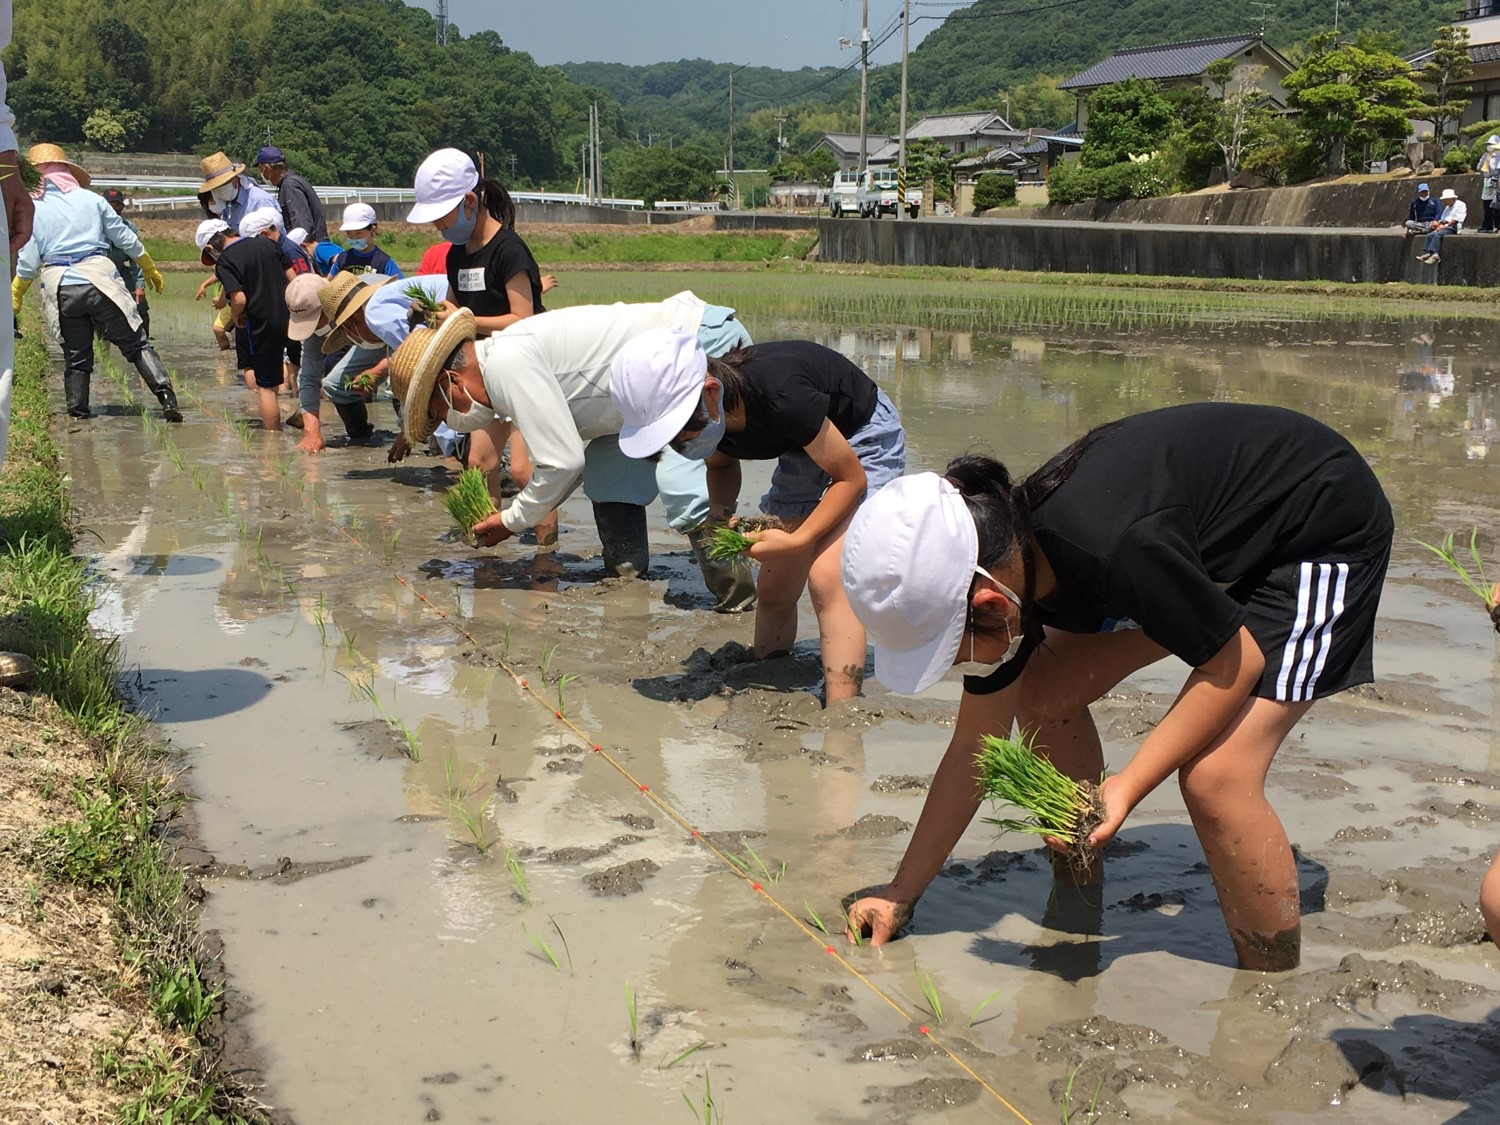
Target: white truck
(878, 195)
(843, 196)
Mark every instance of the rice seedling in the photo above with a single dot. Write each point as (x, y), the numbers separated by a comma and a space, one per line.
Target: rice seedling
(727, 543)
(983, 1004)
(693, 1050)
(474, 824)
(542, 947)
(765, 872)
(930, 994)
(1477, 582)
(413, 751)
(1090, 1115)
(635, 1036)
(348, 647)
(320, 618)
(505, 643)
(468, 501)
(853, 931)
(545, 664)
(518, 876)
(708, 1110)
(1012, 774)
(563, 681)
(388, 546)
(423, 301)
(813, 917)
(562, 937)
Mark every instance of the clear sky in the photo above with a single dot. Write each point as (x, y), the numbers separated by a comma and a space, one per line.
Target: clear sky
(782, 33)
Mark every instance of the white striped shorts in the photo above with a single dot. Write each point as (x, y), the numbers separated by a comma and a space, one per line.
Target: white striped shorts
(1315, 623)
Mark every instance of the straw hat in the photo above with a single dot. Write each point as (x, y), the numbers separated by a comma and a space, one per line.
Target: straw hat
(217, 170)
(52, 154)
(415, 366)
(343, 296)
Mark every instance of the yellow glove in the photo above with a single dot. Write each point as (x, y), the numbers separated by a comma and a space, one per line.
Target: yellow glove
(18, 287)
(153, 275)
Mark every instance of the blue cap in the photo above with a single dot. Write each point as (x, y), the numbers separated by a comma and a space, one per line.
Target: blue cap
(1423, 187)
(269, 155)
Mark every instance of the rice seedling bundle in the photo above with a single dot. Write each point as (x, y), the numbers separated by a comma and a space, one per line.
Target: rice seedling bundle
(730, 542)
(468, 501)
(424, 305)
(1476, 580)
(1013, 775)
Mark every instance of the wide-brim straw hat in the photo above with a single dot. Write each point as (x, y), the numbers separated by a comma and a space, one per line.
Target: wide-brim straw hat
(217, 170)
(415, 366)
(53, 154)
(343, 296)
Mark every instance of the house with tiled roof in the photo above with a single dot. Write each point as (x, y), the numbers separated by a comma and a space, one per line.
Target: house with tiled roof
(1182, 64)
(957, 132)
(1482, 21)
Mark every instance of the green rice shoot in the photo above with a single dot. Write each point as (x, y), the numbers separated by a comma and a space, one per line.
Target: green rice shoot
(1013, 775)
(1476, 580)
(727, 543)
(468, 501)
(423, 300)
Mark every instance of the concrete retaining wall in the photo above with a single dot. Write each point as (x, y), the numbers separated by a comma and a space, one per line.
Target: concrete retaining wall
(1367, 204)
(1272, 253)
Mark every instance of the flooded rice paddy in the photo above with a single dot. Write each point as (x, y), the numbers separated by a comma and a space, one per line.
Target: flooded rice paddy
(440, 903)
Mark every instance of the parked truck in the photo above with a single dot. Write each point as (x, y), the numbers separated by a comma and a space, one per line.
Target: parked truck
(843, 196)
(878, 195)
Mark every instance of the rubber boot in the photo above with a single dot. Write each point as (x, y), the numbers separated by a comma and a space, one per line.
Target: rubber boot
(356, 419)
(622, 533)
(155, 376)
(730, 581)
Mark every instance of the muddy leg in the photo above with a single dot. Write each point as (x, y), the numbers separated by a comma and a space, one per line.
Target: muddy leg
(1071, 743)
(777, 592)
(840, 635)
(1243, 840)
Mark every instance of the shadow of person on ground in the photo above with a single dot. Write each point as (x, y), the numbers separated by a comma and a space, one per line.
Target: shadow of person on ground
(176, 696)
(1430, 1056)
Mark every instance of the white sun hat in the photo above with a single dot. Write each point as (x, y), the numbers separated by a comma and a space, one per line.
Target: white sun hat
(205, 233)
(1448, 193)
(358, 216)
(656, 382)
(260, 220)
(442, 180)
(908, 563)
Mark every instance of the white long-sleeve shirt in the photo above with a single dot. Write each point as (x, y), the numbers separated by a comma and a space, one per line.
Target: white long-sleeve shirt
(1456, 213)
(550, 374)
(7, 118)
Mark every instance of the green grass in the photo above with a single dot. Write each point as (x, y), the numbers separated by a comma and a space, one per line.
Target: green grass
(112, 844)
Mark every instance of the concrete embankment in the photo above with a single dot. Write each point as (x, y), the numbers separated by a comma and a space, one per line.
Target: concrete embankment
(1351, 254)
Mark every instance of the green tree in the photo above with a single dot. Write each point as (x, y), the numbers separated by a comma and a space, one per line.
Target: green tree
(994, 190)
(1445, 73)
(926, 157)
(1352, 94)
(114, 130)
(660, 172)
(1038, 104)
(1129, 118)
(817, 166)
(1245, 123)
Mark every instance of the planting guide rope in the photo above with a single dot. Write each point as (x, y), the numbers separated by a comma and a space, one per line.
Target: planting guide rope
(598, 749)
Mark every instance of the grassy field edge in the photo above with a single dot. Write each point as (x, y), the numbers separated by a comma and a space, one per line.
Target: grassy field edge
(105, 1011)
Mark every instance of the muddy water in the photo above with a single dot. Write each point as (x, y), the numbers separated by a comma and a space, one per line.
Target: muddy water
(390, 971)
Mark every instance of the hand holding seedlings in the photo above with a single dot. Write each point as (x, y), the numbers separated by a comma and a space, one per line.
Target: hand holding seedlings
(1070, 816)
(735, 537)
(491, 531)
(468, 501)
(879, 917)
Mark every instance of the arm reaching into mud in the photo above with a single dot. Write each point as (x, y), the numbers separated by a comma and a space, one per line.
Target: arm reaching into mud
(950, 806)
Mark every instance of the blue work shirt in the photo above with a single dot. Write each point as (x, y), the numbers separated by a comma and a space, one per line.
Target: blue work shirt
(324, 254)
(252, 197)
(373, 260)
(388, 306)
(70, 226)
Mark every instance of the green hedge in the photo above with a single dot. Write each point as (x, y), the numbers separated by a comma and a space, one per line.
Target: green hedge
(1071, 182)
(994, 190)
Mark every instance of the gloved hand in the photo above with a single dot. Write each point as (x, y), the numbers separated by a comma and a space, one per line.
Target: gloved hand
(152, 274)
(18, 287)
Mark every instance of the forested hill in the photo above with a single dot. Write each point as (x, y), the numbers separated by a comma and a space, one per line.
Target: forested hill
(983, 49)
(354, 90)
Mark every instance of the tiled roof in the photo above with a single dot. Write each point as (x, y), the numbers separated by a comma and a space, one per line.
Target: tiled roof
(1167, 60)
(1485, 53)
(956, 124)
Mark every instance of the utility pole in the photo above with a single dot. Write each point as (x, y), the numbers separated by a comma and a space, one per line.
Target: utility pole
(864, 85)
(442, 23)
(513, 167)
(901, 158)
(1265, 14)
(730, 159)
(780, 142)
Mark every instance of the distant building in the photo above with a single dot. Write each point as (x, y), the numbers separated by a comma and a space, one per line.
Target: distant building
(1483, 25)
(844, 147)
(959, 133)
(1181, 64)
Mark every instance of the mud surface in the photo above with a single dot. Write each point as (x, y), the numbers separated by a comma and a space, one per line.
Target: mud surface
(376, 928)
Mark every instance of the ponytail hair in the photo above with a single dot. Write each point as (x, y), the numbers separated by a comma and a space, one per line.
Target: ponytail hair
(497, 201)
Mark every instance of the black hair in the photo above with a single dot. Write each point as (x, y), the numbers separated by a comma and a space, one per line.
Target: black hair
(497, 201)
(1002, 510)
(204, 198)
(726, 369)
(218, 240)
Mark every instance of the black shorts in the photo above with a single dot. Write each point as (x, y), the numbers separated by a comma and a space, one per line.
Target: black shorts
(1315, 624)
(246, 358)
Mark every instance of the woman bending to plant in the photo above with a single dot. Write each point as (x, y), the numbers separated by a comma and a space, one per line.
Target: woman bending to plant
(834, 436)
(1249, 541)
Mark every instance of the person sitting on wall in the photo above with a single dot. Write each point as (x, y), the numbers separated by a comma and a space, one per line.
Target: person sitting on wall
(1451, 221)
(1422, 213)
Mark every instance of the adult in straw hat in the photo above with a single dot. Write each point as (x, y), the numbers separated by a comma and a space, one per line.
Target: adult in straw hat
(548, 376)
(83, 294)
(228, 193)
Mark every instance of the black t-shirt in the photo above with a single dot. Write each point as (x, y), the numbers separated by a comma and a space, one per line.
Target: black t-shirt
(477, 281)
(1172, 518)
(791, 386)
(257, 267)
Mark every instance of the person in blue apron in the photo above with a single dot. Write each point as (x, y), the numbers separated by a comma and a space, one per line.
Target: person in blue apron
(82, 291)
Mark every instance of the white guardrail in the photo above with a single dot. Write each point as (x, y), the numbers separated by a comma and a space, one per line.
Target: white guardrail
(337, 194)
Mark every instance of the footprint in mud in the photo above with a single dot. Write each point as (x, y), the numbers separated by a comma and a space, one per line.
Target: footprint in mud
(874, 826)
(622, 879)
(927, 1095)
(900, 783)
(1311, 997)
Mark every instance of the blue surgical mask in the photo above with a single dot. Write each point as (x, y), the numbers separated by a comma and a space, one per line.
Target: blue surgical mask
(360, 244)
(463, 224)
(698, 447)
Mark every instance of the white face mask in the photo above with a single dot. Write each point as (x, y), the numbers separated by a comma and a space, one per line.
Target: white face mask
(477, 417)
(226, 193)
(973, 667)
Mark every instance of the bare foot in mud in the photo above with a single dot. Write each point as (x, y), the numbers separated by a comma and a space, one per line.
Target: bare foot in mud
(312, 435)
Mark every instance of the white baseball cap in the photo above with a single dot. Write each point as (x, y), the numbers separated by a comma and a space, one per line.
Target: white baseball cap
(259, 220)
(297, 234)
(358, 216)
(205, 234)
(655, 382)
(304, 305)
(443, 179)
(908, 564)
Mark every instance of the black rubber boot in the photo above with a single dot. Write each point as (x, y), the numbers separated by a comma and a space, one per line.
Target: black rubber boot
(730, 581)
(622, 533)
(155, 376)
(356, 419)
